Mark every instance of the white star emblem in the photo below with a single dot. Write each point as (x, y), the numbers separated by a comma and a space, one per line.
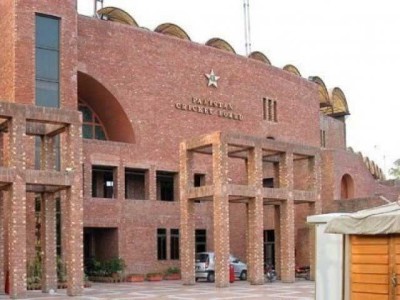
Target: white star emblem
(212, 78)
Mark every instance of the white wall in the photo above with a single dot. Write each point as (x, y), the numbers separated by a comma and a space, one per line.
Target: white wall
(329, 260)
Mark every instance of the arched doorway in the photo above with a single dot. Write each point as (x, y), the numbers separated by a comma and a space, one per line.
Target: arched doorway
(347, 187)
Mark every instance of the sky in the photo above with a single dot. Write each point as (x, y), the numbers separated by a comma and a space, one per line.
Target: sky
(353, 45)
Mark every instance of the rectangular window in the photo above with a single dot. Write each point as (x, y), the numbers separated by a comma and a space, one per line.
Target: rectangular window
(323, 138)
(174, 238)
(268, 182)
(161, 244)
(270, 110)
(165, 186)
(201, 240)
(265, 108)
(135, 184)
(199, 180)
(47, 61)
(103, 182)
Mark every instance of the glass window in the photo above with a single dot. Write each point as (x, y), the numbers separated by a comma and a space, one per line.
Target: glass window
(47, 61)
(47, 32)
(47, 93)
(91, 126)
(47, 67)
(174, 243)
(161, 244)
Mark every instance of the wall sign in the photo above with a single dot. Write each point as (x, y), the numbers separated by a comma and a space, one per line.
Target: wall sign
(210, 108)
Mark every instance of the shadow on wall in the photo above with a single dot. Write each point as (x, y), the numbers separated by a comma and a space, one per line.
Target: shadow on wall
(107, 108)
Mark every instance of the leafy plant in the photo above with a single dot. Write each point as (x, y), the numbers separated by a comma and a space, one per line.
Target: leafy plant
(172, 270)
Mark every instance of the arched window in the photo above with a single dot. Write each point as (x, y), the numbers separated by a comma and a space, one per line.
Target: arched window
(91, 124)
(347, 187)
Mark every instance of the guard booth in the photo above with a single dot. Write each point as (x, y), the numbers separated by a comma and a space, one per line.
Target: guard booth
(370, 263)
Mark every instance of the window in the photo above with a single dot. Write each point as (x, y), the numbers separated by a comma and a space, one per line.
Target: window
(199, 180)
(268, 182)
(91, 125)
(165, 186)
(174, 243)
(270, 111)
(201, 240)
(103, 182)
(47, 58)
(323, 138)
(135, 184)
(161, 244)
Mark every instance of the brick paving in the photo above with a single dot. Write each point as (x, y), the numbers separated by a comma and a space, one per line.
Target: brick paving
(303, 290)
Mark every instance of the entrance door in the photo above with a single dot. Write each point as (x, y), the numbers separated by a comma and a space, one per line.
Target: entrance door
(375, 267)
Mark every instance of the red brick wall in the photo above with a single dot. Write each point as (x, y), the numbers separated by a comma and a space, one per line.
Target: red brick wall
(7, 55)
(25, 48)
(335, 132)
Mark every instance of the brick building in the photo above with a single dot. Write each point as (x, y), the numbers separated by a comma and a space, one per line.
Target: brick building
(99, 117)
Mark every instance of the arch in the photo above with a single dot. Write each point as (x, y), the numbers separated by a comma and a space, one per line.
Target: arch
(118, 15)
(324, 99)
(346, 187)
(257, 55)
(220, 44)
(338, 107)
(108, 109)
(292, 69)
(172, 30)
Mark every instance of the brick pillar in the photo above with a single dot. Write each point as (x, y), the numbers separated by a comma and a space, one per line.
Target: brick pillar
(74, 212)
(287, 222)
(49, 242)
(16, 210)
(2, 278)
(277, 225)
(255, 218)
(314, 208)
(221, 213)
(187, 210)
(151, 183)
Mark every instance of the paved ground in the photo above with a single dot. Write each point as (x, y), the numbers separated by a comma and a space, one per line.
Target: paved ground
(175, 290)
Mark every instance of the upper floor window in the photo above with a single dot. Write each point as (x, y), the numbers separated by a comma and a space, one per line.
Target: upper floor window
(47, 61)
(270, 110)
(323, 138)
(91, 125)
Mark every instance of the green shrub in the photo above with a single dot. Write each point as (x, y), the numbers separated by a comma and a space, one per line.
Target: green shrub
(173, 270)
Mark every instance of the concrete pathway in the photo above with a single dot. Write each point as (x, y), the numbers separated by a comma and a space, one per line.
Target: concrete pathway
(175, 290)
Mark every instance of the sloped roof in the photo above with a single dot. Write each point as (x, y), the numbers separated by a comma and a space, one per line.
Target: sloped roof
(383, 219)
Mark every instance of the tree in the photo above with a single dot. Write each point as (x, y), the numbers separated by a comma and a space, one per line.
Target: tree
(395, 171)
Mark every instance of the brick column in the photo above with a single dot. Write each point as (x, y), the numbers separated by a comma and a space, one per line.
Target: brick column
(187, 210)
(2, 278)
(17, 210)
(255, 218)
(287, 222)
(221, 213)
(48, 242)
(74, 212)
(277, 225)
(151, 183)
(315, 208)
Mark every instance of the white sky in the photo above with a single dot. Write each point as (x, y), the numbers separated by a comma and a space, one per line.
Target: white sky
(354, 45)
